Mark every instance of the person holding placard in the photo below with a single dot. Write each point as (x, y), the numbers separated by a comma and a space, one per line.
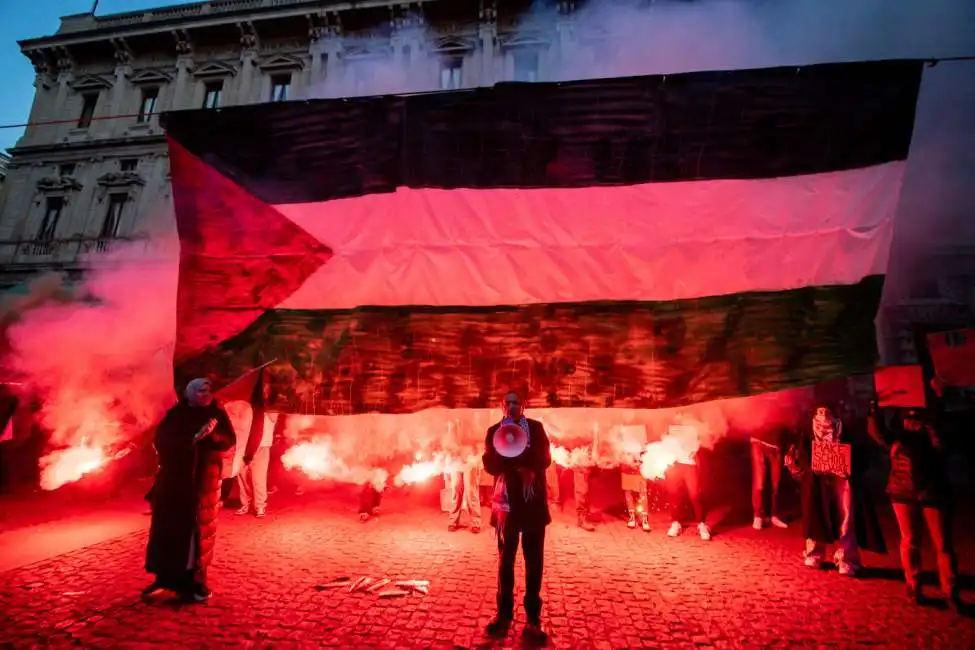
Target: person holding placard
(833, 507)
(918, 487)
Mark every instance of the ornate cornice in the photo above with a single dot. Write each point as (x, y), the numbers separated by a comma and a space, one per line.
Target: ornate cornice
(121, 179)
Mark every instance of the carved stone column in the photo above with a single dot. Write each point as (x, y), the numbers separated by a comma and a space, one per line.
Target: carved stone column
(65, 76)
(248, 63)
(121, 88)
(488, 37)
(183, 92)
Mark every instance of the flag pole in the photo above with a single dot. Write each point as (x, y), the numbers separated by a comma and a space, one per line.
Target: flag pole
(94, 6)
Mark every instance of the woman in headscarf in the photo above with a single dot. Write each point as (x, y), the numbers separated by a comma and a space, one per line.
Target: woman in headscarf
(834, 507)
(190, 441)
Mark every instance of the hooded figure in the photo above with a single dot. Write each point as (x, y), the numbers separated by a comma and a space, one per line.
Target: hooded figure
(190, 442)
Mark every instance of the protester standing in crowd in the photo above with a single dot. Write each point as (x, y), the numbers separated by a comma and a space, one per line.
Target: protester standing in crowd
(919, 488)
(190, 442)
(255, 453)
(685, 473)
(834, 507)
(634, 494)
(519, 513)
(768, 446)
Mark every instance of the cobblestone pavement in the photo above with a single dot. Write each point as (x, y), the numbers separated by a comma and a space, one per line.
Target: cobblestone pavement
(613, 588)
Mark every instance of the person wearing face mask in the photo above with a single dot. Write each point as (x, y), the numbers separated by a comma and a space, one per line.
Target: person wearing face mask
(190, 442)
(834, 507)
(918, 487)
(519, 512)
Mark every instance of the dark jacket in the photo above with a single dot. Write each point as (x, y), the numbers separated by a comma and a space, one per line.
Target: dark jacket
(918, 470)
(186, 495)
(537, 458)
(820, 510)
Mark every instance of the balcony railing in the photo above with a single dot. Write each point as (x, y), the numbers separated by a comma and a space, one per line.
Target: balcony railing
(56, 252)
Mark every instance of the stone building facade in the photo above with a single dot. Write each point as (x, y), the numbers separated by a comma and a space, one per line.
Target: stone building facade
(92, 169)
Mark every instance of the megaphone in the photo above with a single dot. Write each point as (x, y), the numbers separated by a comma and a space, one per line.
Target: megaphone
(510, 440)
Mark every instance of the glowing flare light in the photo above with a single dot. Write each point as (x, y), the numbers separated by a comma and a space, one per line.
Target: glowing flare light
(422, 471)
(318, 462)
(69, 465)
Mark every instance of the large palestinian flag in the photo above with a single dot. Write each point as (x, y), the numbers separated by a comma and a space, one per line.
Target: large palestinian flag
(637, 243)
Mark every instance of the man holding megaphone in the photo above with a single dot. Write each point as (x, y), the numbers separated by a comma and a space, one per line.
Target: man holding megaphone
(517, 453)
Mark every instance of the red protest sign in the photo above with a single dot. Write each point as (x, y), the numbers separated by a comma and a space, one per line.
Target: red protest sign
(900, 386)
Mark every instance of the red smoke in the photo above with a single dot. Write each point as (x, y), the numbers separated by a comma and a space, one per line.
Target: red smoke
(97, 356)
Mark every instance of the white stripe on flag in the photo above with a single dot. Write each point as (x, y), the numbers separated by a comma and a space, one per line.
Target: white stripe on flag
(657, 241)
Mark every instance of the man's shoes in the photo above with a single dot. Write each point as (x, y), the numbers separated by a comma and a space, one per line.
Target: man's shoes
(453, 528)
(151, 590)
(631, 521)
(645, 523)
(583, 522)
(498, 627)
(758, 523)
(243, 510)
(778, 523)
(533, 630)
(260, 512)
(675, 530)
(363, 517)
(200, 593)
(475, 529)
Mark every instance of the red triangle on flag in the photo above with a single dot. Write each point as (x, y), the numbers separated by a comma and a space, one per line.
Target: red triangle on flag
(238, 256)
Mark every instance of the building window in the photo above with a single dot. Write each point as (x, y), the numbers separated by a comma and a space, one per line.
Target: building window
(89, 100)
(52, 214)
(280, 85)
(451, 70)
(128, 164)
(66, 169)
(148, 106)
(526, 65)
(211, 99)
(116, 204)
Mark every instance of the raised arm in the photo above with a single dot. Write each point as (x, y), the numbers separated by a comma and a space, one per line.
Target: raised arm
(223, 436)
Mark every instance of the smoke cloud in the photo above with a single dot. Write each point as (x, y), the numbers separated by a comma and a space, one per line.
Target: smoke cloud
(98, 354)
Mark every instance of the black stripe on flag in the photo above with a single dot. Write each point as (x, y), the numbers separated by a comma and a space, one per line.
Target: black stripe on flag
(600, 354)
(699, 126)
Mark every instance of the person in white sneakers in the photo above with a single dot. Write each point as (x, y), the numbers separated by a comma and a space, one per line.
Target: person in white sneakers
(685, 473)
(256, 450)
(768, 448)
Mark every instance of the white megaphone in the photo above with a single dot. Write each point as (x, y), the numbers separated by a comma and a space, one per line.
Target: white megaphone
(510, 440)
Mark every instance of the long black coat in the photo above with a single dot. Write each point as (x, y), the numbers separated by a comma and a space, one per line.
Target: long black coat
(186, 495)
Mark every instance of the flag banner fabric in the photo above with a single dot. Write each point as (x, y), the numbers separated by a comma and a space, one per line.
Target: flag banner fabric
(632, 243)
